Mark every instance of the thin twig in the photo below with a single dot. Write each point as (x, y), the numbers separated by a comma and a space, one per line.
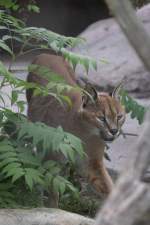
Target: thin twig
(124, 134)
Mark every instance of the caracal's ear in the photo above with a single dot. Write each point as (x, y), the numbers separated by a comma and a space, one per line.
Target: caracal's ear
(116, 91)
(89, 95)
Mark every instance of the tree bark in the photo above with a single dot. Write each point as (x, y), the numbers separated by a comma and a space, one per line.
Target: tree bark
(132, 27)
(130, 198)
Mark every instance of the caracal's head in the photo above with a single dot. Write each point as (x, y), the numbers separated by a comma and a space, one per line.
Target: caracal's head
(103, 112)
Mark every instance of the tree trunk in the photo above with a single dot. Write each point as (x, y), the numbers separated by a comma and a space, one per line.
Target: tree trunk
(130, 198)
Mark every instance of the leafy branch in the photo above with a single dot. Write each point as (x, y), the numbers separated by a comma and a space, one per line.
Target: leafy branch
(133, 107)
(24, 146)
(41, 38)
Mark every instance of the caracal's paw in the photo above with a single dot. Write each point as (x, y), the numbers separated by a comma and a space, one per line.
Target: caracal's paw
(102, 187)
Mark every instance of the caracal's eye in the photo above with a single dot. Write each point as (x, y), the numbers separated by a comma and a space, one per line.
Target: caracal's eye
(119, 117)
(102, 118)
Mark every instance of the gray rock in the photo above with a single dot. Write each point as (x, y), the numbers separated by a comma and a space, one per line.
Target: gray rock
(41, 216)
(121, 150)
(106, 41)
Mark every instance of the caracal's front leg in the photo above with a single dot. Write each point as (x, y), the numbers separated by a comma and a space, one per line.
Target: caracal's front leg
(97, 173)
(99, 177)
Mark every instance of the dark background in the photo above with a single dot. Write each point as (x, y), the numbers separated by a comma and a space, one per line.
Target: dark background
(68, 17)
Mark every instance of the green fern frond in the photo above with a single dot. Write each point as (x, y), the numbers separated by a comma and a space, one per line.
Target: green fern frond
(59, 44)
(42, 34)
(41, 133)
(9, 21)
(133, 107)
(33, 176)
(7, 199)
(19, 160)
(45, 39)
(15, 165)
(50, 138)
(52, 172)
(74, 59)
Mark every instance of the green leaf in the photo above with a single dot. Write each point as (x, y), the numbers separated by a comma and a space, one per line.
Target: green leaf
(49, 164)
(1, 116)
(2, 99)
(66, 99)
(6, 194)
(11, 166)
(76, 143)
(15, 7)
(72, 188)
(56, 184)
(48, 179)
(21, 105)
(14, 171)
(67, 151)
(53, 170)
(33, 176)
(8, 161)
(29, 181)
(137, 111)
(17, 175)
(26, 157)
(14, 96)
(64, 149)
(8, 155)
(57, 139)
(33, 8)
(71, 154)
(62, 188)
(141, 114)
(5, 186)
(74, 62)
(5, 47)
(94, 64)
(6, 145)
(37, 92)
(85, 62)
(104, 61)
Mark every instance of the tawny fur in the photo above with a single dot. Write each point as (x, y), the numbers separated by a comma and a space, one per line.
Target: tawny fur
(81, 120)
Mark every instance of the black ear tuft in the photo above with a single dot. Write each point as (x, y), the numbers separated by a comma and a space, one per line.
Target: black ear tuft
(91, 91)
(89, 95)
(84, 100)
(116, 91)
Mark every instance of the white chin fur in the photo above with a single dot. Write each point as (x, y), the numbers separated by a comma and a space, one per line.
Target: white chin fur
(115, 136)
(110, 135)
